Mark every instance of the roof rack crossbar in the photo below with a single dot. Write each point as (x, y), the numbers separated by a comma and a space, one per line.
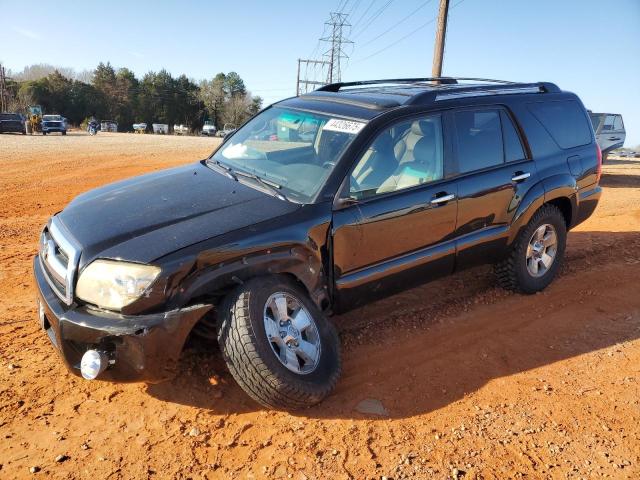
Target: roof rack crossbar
(335, 87)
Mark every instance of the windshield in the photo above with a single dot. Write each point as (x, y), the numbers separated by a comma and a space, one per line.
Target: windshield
(52, 118)
(294, 150)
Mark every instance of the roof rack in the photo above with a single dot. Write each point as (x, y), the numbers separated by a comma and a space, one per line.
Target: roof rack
(336, 87)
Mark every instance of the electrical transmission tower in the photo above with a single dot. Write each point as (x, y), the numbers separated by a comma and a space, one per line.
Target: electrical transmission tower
(327, 70)
(338, 25)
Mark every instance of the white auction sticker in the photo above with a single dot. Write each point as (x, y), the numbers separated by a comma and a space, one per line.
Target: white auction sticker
(344, 126)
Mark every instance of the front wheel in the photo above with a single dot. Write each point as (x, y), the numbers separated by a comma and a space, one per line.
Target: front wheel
(537, 253)
(278, 346)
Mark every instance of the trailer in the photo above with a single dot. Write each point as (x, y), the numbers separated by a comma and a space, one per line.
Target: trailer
(160, 128)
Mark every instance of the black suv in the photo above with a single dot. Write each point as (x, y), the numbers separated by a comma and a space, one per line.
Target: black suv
(318, 204)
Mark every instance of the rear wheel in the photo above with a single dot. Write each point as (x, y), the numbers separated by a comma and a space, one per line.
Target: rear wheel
(278, 346)
(537, 254)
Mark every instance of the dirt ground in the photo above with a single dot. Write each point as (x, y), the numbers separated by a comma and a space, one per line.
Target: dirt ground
(475, 382)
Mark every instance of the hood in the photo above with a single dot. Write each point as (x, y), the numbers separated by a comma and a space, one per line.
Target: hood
(147, 217)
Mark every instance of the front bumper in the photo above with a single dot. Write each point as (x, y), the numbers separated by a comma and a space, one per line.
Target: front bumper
(53, 129)
(141, 347)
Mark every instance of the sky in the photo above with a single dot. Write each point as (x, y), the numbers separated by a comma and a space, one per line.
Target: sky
(590, 47)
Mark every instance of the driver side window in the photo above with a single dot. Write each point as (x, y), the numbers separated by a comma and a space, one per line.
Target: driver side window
(409, 153)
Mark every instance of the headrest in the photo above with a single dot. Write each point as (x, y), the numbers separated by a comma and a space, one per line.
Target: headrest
(422, 128)
(425, 149)
(384, 143)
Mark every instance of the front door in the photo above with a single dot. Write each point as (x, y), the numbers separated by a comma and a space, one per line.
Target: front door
(395, 230)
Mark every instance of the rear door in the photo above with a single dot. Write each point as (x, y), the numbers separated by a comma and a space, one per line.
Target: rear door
(495, 172)
(395, 229)
(612, 133)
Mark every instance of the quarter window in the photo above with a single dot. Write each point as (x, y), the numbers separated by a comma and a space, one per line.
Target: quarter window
(566, 122)
(617, 123)
(408, 154)
(479, 139)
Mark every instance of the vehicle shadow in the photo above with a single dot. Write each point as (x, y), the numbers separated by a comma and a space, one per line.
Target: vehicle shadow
(620, 180)
(423, 349)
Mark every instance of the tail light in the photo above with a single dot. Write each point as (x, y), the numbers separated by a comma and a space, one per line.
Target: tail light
(599, 167)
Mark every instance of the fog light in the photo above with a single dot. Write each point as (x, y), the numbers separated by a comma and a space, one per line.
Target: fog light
(93, 363)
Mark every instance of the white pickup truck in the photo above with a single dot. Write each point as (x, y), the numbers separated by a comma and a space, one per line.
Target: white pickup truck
(208, 129)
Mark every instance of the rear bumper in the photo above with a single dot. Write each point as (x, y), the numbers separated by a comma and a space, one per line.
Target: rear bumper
(142, 347)
(588, 199)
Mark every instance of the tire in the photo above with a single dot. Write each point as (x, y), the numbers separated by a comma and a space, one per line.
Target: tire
(252, 358)
(64, 132)
(44, 133)
(514, 272)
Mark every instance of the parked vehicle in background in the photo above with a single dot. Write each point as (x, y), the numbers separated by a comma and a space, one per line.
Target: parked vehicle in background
(12, 123)
(108, 126)
(227, 129)
(93, 127)
(180, 129)
(160, 128)
(208, 129)
(53, 123)
(140, 127)
(610, 131)
(402, 182)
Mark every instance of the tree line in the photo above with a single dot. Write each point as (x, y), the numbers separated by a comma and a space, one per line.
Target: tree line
(157, 97)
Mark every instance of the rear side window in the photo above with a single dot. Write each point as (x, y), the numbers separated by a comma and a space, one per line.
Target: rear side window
(617, 123)
(479, 139)
(564, 120)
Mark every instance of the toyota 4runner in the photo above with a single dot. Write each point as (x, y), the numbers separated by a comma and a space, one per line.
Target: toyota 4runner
(317, 205)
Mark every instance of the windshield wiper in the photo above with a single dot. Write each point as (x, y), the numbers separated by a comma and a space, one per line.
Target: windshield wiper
(223, 169)
(274, 187)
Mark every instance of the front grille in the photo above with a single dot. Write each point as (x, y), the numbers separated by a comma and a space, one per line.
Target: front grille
(59, 255)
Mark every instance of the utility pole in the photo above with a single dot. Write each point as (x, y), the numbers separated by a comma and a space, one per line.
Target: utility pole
(3, 90)
(441, 33)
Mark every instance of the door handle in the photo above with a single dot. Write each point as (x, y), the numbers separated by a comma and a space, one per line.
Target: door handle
(443, 199)
(520, 176)
(614, 138)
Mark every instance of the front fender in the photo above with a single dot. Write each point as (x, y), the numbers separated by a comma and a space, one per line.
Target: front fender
(217, 279)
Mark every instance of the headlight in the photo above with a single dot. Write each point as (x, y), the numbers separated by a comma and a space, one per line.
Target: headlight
(112, 284)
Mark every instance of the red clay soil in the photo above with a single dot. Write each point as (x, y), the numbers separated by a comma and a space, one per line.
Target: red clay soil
(474, 382)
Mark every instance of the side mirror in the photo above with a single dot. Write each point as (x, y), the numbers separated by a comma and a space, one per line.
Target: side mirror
(345, 202)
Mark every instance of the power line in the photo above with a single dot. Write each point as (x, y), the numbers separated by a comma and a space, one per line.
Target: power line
(364, 14)
(373, 18)
(422, 5)
(355, 6)
(412, 32)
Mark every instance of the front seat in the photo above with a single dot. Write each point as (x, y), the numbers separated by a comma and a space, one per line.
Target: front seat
(419, 162)
(380, 164)
(404, 148)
